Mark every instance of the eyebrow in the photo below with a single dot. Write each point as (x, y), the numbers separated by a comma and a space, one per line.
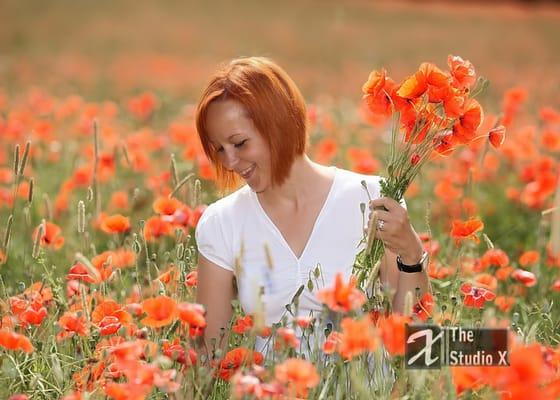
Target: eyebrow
(231, 136)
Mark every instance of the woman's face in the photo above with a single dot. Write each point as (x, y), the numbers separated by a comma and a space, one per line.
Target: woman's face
(238, 144)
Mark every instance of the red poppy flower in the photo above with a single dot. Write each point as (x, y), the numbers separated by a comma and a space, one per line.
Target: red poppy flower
(115, 224)
(161, 311)
(14, 341)
(342, 297)
(192, 278)
(71, 323)
(193, 315)
(423, 309)
(237, 358)
(466, 230)
(392, 330)
(525, 277)
(497, 136)
(298, 375)
(242, 325)
(476, 297)
(462, 71)
(357, 337)
(529, 257)
(51, 235)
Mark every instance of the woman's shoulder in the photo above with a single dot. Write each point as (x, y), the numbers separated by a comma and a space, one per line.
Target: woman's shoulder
(351, 180)
(230, 205)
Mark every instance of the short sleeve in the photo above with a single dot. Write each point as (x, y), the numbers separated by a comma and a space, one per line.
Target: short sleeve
(211, 241)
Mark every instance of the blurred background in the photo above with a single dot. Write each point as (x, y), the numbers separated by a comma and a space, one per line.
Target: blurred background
(109, 48)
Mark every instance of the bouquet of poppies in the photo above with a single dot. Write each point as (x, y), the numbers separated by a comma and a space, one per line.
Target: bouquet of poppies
(432, 112)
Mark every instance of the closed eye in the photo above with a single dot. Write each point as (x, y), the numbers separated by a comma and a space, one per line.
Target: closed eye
(240, 144)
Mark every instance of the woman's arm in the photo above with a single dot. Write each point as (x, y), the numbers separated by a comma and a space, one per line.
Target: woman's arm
(400, 238)
(215, 292)
(402, 282)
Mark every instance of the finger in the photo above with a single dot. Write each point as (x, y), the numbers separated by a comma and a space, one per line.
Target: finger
(386, 202)
(384, 215)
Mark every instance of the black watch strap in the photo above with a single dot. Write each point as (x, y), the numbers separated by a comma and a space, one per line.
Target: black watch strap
(412, 268)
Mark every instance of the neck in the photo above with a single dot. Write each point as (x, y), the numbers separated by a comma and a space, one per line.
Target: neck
(299, 187)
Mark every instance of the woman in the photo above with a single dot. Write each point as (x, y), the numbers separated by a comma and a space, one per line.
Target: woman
(293, 217)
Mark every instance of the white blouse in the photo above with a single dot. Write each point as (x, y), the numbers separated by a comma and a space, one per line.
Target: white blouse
(236, 234)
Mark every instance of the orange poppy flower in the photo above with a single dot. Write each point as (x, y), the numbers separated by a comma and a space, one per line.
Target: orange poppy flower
(193, 315)
(362, 161)
(525, 277)
(298, 375)
(237, 358)
(504, 303)
(192, 278)
(3, 257)
(497, 135)
(119, 200)
(332, 342)
(326, 150)
(357, 337)
(161, 311)
(116, 223)
(126, 391)
(176, 352)
(34, 314)
(51, 236)
(494, 257)
(529, 257)
(166, 206)
(476, 297)
(466, 230)
(81, 272)
(342, 298)
(550, 140)
(286, 338)
(462, 71)
(243, 324)
(465, 128)
(413, 87)
(71, 323)
(156, 227)
(503, 273)
(423, 309)
(110, 316)
(486, 280)
(392, 330)
(143, 106)
(14, 341)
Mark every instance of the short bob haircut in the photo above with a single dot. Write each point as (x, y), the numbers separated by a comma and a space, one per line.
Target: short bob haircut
(274, 104)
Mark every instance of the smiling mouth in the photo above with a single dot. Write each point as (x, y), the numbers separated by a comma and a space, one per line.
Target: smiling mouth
(246, 173)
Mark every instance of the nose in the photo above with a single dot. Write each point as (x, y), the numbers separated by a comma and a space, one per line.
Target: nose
(230, 159)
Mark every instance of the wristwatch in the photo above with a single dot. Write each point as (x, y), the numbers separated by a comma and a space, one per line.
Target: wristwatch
(412, 268)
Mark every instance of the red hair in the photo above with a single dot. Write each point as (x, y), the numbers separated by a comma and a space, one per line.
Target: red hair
(274, 104)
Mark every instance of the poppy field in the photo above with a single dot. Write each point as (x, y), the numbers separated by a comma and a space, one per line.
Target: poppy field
(103, 181)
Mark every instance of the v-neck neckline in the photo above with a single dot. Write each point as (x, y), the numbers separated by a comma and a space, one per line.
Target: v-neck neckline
(315, 224)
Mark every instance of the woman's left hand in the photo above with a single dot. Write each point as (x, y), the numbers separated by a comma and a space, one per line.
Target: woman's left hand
(394, 229)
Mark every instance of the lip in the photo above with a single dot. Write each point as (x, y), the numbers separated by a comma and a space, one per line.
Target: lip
(248, 173)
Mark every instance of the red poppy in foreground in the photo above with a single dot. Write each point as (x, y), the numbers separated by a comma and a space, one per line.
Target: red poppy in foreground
(342, 298)
(298, 375)
(161, 310)
(423, 309)
(392, 329)
(14, 341)
(466, 230)
(237, 358)
(497, 136)
(476, 297)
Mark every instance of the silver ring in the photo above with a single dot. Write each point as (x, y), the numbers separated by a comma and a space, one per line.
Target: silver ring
(380, 224)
